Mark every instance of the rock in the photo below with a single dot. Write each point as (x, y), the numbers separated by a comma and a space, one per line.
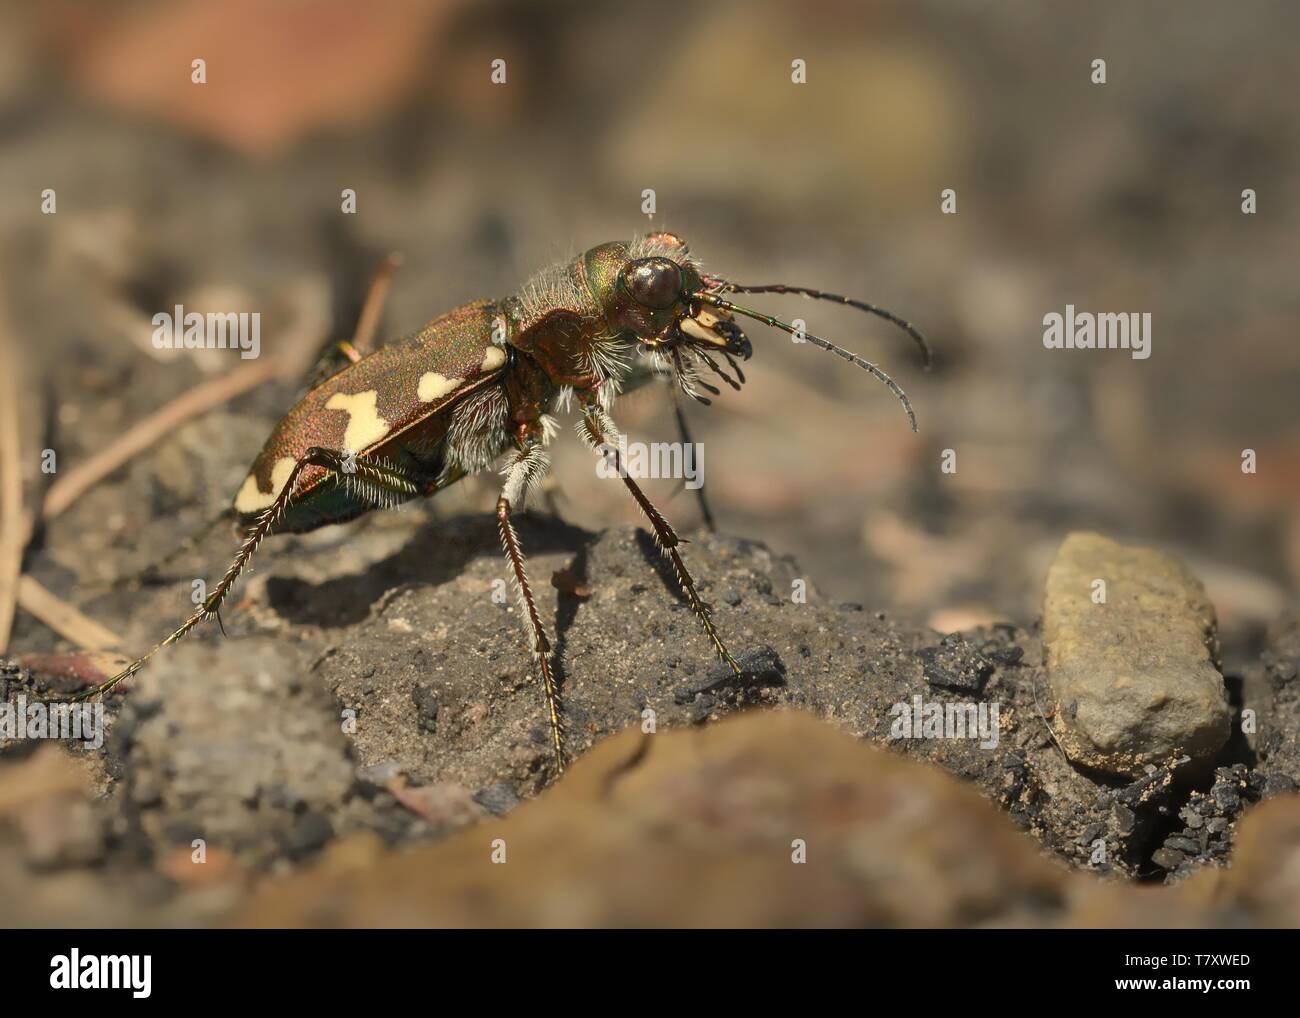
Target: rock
(379, 774)
(498, 799)
(714, 821)
(242, 753)
(759, 669)
(1167, 858)
(956, 664)
(1135, 677)
(426, 705)
(309, 834)
(1227, 797)
(768, 818)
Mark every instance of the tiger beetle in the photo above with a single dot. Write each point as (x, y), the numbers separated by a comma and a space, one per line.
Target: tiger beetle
(424, 411)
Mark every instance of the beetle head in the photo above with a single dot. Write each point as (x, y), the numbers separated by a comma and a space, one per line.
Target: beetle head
(651, 289)
(654, 290)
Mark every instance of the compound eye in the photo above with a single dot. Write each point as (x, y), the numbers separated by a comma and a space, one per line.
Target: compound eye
(653, 282)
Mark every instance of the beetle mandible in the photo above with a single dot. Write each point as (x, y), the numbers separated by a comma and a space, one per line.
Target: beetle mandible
(484, 380)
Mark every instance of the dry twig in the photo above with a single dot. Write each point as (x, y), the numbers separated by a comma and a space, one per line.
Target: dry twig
(190, 404)
(363, 339)
(12, 534)
(16, 529)
(63, 618)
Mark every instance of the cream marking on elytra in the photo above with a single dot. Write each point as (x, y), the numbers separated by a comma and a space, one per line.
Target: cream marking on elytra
(252, 499)
(493, 358)
(365, 426)
(433, 386)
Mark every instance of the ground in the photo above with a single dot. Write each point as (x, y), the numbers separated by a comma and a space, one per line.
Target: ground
(373, 681)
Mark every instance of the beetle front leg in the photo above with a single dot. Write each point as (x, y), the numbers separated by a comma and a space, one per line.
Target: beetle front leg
(525, 471)
(642, 374)
(600, 430)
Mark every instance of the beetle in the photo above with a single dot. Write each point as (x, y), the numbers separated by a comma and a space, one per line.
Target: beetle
(484, 380)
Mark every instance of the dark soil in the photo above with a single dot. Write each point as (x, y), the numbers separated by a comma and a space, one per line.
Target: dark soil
(371, 681)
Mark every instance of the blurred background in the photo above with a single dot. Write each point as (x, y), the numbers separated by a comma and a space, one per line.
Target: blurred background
(1123, 196)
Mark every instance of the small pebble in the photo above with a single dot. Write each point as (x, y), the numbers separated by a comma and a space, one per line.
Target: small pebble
(1167, 858)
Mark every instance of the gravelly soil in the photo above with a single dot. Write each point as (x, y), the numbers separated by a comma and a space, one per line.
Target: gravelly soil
(396, 697)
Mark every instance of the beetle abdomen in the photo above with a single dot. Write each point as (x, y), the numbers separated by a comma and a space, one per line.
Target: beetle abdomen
(393, 404)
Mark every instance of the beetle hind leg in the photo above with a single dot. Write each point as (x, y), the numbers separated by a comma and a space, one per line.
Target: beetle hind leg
(383, 476)
(525, 471)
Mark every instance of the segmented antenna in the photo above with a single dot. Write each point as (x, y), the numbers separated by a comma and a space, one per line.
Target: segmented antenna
(871, 309)
(825, 344)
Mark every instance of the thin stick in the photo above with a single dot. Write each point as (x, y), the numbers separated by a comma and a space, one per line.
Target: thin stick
(376, 297)
(197, 401)
(1033, 688)
(206, 396)
(64, 619)
(12, 533)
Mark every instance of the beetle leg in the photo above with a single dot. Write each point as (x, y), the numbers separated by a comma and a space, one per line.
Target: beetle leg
(641, 375)
(383, 475)
(526, 469)
(684, 433)
(601, 430)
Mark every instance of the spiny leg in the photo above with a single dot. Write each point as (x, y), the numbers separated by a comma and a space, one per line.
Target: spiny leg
(383, 477)
(643, 373)
(526, 469)
(601, 431)
(684, 433)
